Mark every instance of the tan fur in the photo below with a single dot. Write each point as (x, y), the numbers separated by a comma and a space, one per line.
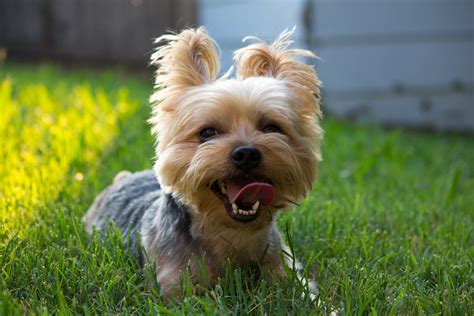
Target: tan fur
(276, 60)
(271, 87)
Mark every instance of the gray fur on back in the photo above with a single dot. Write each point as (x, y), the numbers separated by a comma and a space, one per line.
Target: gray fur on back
(132, 203)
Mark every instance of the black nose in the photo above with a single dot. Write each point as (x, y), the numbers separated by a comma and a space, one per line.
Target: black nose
(246, 157)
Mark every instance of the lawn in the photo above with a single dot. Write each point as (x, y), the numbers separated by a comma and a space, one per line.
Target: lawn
(388, 228)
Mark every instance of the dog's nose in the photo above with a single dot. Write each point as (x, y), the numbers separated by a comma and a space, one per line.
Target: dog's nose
(246, 157)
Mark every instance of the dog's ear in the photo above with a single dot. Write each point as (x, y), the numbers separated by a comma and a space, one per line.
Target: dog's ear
(278, 61)
(184, 60)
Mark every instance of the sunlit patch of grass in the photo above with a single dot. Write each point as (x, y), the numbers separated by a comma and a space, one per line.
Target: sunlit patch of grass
(47, 134)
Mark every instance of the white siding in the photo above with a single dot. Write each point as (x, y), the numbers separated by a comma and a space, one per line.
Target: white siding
(229, 21)
(408, 62)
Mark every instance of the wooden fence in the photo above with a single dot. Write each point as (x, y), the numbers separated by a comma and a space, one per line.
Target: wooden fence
(89, 30)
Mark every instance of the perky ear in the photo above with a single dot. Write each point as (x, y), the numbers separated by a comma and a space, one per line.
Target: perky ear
(278, 61)
(187, 59)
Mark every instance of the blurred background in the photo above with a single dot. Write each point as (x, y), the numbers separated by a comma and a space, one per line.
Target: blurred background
(395, 62)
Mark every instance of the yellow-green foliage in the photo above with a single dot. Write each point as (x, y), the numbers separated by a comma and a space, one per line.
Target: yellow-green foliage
(44, 133)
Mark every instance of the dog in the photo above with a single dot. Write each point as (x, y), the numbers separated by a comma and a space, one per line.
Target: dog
(232, 152)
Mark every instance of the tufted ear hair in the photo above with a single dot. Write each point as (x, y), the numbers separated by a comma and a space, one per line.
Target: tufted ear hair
(186, 59)
(278, 61)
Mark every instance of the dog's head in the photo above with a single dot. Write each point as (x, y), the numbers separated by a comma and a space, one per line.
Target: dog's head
(238, 149)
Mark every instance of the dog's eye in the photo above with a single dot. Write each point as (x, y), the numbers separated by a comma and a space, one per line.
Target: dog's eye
(271, 128)
(207, 133)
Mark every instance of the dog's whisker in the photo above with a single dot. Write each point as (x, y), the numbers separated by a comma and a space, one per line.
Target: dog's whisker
(294, 203)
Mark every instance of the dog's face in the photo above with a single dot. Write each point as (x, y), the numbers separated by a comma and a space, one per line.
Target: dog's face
(237, 149)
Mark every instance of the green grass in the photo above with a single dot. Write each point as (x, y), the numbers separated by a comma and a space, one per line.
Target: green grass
(387, 230)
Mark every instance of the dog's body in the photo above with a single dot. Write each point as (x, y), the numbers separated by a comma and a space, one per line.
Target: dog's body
(137, 206)
(231, 154)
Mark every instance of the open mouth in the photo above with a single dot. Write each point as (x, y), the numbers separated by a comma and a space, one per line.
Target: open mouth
(244, 197)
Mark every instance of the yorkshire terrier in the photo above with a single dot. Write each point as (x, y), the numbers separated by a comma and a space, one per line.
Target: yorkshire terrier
(231, 153)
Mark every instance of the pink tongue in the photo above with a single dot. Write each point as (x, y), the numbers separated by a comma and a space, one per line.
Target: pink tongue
(251, 193)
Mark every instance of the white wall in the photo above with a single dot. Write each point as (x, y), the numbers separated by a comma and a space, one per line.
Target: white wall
(407, 62)
(229, 21)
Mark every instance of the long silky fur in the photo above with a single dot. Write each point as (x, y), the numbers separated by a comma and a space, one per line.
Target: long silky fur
(278, 61)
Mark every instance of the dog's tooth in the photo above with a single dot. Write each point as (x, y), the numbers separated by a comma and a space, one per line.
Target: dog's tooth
(256, 205)
(235, 209)
(243, 212)
(222, 187)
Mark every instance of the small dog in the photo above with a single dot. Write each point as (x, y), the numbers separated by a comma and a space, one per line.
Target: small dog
(231, 153)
